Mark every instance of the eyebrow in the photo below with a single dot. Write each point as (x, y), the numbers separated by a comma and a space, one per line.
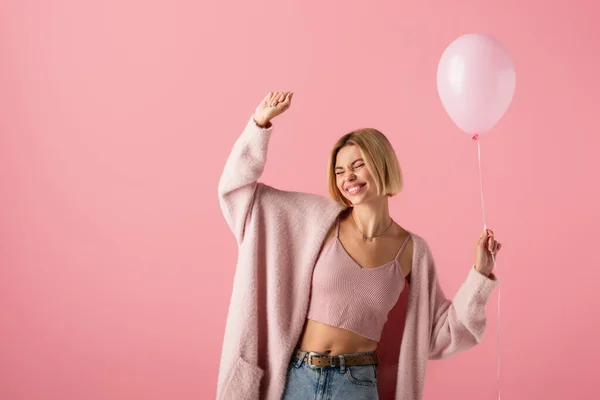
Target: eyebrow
(359, 159)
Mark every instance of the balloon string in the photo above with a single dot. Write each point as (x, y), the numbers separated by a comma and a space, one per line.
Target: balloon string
(481, 184)
(475, 138)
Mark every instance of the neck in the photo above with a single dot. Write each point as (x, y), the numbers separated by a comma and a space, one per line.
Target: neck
(372, 218)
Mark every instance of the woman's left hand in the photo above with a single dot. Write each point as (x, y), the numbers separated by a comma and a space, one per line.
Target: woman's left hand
(485, 247)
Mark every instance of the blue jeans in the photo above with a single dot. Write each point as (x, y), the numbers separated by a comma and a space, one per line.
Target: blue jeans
(330, 383)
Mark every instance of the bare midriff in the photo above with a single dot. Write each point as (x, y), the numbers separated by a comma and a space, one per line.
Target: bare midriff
(327, 339)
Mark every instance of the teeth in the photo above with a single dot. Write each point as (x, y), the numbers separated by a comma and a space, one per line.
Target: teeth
(354, 189)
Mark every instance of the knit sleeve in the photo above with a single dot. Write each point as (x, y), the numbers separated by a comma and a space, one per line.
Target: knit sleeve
(239, 179)
(458, 323)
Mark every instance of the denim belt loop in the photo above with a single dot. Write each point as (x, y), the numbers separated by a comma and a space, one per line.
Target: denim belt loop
(342, 363)
(300, 359)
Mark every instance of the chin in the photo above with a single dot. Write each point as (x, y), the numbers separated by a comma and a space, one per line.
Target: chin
(358, 201)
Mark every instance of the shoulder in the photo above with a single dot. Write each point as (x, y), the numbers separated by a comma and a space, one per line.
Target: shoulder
(420, 252)
(419, 243)
(407, 257)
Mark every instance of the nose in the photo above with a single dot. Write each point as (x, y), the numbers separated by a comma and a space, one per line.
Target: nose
(352, 175)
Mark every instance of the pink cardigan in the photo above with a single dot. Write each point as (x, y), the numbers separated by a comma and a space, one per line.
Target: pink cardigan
(279, 234)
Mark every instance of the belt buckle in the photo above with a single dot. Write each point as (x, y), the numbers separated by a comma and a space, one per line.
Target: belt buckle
(309, 361)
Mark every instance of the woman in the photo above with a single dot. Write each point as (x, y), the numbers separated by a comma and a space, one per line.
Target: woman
(359, 273)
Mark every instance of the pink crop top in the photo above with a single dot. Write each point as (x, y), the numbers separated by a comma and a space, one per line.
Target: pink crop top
(348, 296)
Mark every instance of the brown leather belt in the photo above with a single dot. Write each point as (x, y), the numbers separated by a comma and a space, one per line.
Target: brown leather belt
(316, 360)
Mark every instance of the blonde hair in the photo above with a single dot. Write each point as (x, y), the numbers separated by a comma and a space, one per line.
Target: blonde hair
(379, 157)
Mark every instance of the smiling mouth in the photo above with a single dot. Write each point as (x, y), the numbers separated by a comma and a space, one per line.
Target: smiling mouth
(356, 189)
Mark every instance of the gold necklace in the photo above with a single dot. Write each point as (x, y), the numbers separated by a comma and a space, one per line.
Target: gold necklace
(367, 238)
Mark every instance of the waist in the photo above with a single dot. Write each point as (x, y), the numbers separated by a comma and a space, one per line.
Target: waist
(331, 340)
(317, 360)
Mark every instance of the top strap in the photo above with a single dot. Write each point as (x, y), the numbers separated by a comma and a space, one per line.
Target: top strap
(402, 247)
(337, 229)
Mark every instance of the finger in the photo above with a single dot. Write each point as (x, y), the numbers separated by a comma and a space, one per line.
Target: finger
(481, 242)
(282, 97)
(287, 99)
(271, 99)
(495, 248)
(490, 242)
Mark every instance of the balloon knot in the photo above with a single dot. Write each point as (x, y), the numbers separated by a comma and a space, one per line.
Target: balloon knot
(475, 137)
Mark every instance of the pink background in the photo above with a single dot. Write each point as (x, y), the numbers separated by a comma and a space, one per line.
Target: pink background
(116, 120)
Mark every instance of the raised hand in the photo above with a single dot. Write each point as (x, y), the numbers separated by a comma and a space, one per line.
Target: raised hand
(271, 106)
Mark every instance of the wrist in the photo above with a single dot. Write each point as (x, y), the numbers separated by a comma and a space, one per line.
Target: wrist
(262, 122)
(485, 273)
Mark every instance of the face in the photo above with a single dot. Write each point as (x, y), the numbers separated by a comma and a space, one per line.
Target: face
(352, 176)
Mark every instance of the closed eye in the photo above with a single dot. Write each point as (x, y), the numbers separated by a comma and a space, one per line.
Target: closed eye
(356, 167)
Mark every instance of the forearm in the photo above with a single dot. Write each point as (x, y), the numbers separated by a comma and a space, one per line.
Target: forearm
(461, 323)
(243, 168)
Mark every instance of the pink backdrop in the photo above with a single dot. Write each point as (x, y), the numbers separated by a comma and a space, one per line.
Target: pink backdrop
(116, 120)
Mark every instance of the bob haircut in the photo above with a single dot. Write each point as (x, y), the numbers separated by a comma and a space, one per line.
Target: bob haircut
(379, 157)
